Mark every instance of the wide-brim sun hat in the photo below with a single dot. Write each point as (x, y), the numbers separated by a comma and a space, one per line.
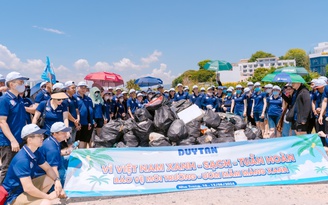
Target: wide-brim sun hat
(59, 95)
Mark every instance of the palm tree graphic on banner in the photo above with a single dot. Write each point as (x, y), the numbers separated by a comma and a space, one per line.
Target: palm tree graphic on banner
(94, 179)
(322, 169)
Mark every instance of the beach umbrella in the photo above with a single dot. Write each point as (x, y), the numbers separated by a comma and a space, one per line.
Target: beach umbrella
(148, 81)
(283, 78)
(105, 79)
(292, 69)
(218, 65)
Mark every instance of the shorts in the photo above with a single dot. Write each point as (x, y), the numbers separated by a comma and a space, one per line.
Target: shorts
(300, 127)
(273, 121)
(257, 117)
(99, 122)
(84, 135)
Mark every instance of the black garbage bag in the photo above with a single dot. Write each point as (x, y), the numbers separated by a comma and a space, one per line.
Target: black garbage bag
(249, 133)
(111, 132)
(223, 139)
(181, 105)
(188, 141)
(211, 119)
(257, 132)
(226, 129)
(238, 122)
(142, 131)
(193, 128)
(99, 144)
(130, 139)
(177, 131)
(163, 118)
(120, 145)
(142, 114)
(207, 138)
(128, 125)
(156, 103)
(158, 140)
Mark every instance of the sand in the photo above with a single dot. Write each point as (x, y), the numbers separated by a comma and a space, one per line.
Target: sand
(307, 194)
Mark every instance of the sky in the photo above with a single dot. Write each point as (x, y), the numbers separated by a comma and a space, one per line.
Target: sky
(147, 37)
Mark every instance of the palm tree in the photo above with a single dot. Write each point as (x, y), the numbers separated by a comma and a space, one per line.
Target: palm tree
(322, 169)
(99, 180)
(310, 143)
(292, 169)
(94, 156)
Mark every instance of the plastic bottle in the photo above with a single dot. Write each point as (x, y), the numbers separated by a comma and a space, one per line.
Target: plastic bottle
(75, 145)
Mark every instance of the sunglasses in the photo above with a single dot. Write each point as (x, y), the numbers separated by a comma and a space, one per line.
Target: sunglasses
(60, 99)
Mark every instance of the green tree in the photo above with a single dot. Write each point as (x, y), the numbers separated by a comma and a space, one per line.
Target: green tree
(202, 63)
(131, 85)
(259, 74)
(310, 144)
(195, 76)
(327, 70)
(99, 180)
(300, 56)
(259, 54)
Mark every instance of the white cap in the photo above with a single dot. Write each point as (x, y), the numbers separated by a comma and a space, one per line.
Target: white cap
(31, 129)
(43, 83)
(194, 87)
(59, 127)
(202, 89)
(323, 78)
(172, 89)
(186, 88)
(257, 84)
(246, 90)
(140, 94)
(58, 85)
(268, 86)
(229, 90)
(313, 80)
(110, 88)
(210, 88)
(69, 83)
(2, 78)
(276, 87)
(250, 84)
(166, 91)
(118, 88)
(239, 86)
(179, 85)
(124, 92)
(82, 83)
(15, 76)
(132, 91)
(320, 83)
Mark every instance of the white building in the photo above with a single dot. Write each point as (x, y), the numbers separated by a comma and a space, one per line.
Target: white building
(319, 58)
(247, 68)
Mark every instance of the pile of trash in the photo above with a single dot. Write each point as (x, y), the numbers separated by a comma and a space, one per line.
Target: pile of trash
(161, 123)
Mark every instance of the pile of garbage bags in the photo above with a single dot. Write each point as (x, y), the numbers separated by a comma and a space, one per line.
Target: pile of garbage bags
(158, 125)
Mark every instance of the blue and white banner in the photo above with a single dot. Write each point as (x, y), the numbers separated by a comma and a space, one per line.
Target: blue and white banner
(128, 171)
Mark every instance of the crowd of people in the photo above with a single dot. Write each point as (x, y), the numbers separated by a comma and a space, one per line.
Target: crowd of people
(37, 132)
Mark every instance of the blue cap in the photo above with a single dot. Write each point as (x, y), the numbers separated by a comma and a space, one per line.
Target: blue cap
(220, 87)
(224, 87)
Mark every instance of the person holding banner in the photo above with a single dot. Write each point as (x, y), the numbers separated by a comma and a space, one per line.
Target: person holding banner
(20, 183)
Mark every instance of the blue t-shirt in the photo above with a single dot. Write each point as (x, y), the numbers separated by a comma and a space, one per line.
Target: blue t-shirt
(42, 96)
(181, 96)
(71, 104)
(258, 99)
(85, 107)
(22, 165)
(132, 104)
(196, 99)
(13, 108)
(120, 109)
(325, 95)
(239, 103)
(227, 101)
(107, 109)
(318, 98)
(249, 104)
(51, 115)
(274, 106)
(98, 111)
(28, 103)
(141, 104)
(50, 150)
(209, 100)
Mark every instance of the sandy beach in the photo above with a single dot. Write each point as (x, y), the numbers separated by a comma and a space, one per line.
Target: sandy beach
(306, 194)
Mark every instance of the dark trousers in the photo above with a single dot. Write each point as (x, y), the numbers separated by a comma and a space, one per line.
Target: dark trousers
(311, 125)
(6, 155)
(251, 120)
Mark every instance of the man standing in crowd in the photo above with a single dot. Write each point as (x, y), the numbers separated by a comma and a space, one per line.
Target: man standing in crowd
(3, 88)
(180, 95)
(12, 120)
(46, 88)
(196, 97)
(86, 115)
(132, 104)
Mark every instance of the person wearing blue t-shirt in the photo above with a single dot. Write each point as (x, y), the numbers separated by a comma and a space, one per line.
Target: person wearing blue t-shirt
(317, 99)
(209, 100)
(227, 101)
(109, 107)
(259, 106)
(21, 183)
(52, 110)
(120, 108)
(12, 119)
(180, 95)
(28, 104)
(85, 107)
(132, 104)
(140, 101)
(98, 111)
(274, 103)
(44, 94)
(239, 103)
(196, 97)
(171, 95)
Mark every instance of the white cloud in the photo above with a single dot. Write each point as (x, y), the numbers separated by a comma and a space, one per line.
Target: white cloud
(126, 63)
(151, 58)
(81, 64)
(308, 169)
(164, 74)
(51, 30)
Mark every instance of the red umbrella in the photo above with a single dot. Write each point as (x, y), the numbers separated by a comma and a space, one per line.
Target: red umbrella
(105, 78)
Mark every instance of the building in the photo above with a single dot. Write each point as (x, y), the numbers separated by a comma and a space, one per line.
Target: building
(319, 58)
(247, 68)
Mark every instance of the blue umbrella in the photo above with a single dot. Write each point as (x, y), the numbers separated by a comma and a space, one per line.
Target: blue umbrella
(148, 81)
(35, 89)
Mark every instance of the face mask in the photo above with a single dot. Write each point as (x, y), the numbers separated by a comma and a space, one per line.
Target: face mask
(106, 98)
(250, 87)
(224, 91)
(202, 92)
(26, 93)
(275, 92)
(229, 94)
(210, 94)
(87, 93)
(20, 88)
(121, 100)
(257, 89)
(268, 90)
(96, 94)
(238, 91)
(111, 98)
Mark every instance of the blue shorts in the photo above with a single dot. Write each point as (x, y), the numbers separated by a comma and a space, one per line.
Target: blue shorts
(273, 121)
(239, 113)
(257, 117)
